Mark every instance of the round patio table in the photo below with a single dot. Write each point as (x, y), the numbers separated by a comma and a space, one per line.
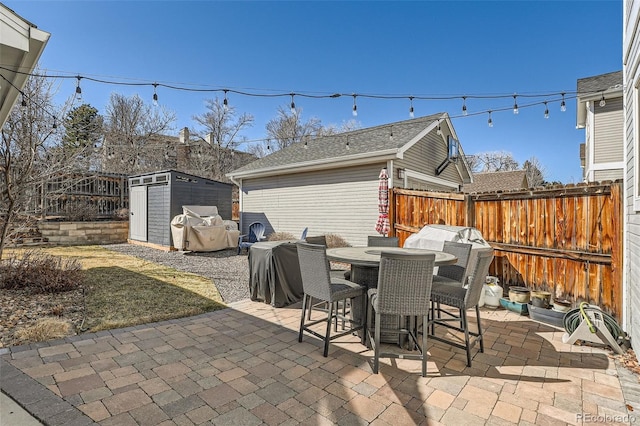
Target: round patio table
(365, 263)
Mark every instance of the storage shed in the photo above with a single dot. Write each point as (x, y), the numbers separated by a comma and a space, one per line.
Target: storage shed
(155, 198)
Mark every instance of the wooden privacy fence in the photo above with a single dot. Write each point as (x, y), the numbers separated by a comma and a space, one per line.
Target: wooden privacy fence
(562, 239)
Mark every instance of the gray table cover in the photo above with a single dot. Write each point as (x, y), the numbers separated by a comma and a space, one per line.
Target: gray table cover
(274, 273)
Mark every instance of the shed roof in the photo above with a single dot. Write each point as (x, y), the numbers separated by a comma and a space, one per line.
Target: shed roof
(497, 181)
(361, 146)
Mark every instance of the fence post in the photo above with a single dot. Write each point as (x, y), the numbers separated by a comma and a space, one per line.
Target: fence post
(470, 214)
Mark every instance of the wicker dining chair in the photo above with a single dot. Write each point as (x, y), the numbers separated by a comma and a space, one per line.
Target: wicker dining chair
(404, 288)
(462, 299)
(380, 241)
(318, 284)
(454, 274)
(335, 273)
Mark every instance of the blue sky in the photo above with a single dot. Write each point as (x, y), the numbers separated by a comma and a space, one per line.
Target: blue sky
(426, 48)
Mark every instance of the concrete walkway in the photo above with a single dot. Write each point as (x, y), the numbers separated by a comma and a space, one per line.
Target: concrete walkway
(244, 365)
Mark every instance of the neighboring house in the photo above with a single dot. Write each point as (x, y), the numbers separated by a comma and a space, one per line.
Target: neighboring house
(330, 184)
(21, 44)
(497, 181)
(600, 113)
(631, 71)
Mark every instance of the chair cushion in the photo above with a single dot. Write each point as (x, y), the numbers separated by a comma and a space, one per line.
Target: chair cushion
(342, 289)
(448, 294)
(448, 281)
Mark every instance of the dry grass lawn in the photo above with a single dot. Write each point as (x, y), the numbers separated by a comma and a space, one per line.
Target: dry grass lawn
(122, 290)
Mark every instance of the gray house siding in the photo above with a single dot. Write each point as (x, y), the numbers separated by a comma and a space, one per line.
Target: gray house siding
(424, 157)
(609, 125)
(340, 201)
(610, 174)
(631, 60)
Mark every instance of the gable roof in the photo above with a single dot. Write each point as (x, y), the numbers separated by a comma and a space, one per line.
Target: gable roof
(592, 88)
(384, 142)
(497, 181)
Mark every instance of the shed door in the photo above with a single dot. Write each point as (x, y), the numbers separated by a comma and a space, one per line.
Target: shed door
(138, 213)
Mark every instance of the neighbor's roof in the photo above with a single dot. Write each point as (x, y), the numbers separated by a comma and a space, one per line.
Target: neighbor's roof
(497, 181)
(591, 88)
(359, 145)
(600, 83)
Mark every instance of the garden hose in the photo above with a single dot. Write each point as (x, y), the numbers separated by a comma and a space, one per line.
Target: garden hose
(574, 317)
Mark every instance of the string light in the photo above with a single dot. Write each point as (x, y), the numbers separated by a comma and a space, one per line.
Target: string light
(293, 104)
(347, 145)
(354, 111)
(602, 101)
(391, 134)
(546, 110)
(23, 104)
(225, 102)
(490, 121)
(155, 94)
(78, 89)
(55, 123)
(439, 131)
(411, 98)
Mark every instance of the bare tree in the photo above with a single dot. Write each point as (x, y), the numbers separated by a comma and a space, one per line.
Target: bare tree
(28, 153)
(214, 153)
(288, 128)
(496, 161)
(135, 135)
(535, 172)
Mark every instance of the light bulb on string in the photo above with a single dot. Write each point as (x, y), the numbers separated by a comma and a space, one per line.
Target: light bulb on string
(490, 121)
(354, 111)
(225, 102)
(439, 131)
(464, 105)
(55, 123)
(546, 110)
(602, 101)
(391, 134)
(515, 105)
(23, 104)
(347, 144)
(411, 114)
(293, 104)
(563, 105)
(78, 89)
(155, 94)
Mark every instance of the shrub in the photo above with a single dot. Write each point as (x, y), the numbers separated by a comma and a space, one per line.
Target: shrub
(281, 236)
(39, 272)
(334, 240)
(81, 211)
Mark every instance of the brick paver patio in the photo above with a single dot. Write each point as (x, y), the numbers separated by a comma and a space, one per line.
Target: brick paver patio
(244, 365)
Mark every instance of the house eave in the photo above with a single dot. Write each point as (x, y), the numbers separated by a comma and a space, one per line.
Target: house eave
(21, 45)
(323, 164)
(611, 93)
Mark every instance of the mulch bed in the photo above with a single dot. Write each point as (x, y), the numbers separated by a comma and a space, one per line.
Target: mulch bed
(20, 308)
